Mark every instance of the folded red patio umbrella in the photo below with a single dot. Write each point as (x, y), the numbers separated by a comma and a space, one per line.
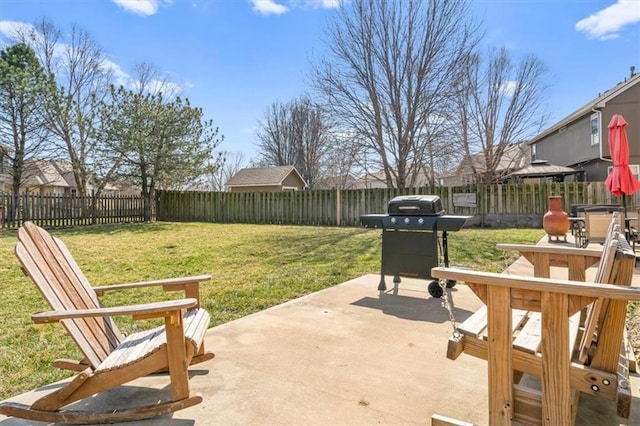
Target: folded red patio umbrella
(621, 181)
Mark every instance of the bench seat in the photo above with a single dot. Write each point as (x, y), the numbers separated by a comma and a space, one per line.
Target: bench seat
(526, 327)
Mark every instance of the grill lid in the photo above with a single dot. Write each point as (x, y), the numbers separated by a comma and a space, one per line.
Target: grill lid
(415, 205)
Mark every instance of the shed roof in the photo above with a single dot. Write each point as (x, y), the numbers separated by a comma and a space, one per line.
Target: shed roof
(263, 176)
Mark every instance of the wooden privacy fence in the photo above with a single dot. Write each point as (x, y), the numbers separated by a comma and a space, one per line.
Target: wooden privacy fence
(344, 207)
(60, 210)
(318, 207)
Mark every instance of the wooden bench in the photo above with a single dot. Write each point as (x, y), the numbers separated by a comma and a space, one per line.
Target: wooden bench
(542, 327)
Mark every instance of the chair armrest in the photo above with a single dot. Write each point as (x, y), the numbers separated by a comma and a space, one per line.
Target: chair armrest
(563, 250)
(146, 310)
(190, 286)
(543, 257)
(553, 285)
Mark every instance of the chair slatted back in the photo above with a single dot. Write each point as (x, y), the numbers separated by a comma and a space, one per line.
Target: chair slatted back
(47, 261)
(606, 274)
(610, 245)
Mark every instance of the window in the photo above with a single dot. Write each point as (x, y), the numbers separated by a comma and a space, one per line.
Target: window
(533, 152)
(595, 129)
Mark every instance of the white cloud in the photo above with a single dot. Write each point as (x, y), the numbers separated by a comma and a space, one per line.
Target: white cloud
(325, 4)
(268, 7)
(606, 23)
(141, 7)
(119, 75)
(278, 7)
(12, 29)
(508, 88)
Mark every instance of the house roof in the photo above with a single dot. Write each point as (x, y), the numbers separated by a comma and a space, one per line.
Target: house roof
(378, 179)
(596, 103)
(46, 173)
(336, 181)
(263, 176)
(512, 157)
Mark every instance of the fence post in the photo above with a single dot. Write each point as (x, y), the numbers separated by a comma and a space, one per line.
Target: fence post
(94, 208)
(338, 207)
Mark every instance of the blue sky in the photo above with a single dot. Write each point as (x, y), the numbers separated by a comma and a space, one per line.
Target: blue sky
(234, 58)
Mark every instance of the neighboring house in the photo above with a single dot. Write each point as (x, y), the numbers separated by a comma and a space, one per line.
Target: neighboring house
(513, 158)
(378, 180)
(52, 177)
(266, 179)
(48, 178)
(336, 182)
(580, 140)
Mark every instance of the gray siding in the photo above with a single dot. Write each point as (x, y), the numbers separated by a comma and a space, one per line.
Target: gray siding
(627, 104)
(570, 145)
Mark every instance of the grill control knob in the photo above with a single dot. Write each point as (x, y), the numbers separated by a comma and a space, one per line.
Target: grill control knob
(393, 220)
(407, 220)
(421, 221)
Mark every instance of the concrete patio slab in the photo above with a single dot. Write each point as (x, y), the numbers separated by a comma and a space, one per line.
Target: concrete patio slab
(342, 356)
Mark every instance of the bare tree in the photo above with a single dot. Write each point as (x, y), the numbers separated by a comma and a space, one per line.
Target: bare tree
(274, 138)
(232, 164)
(295, 134)
(82, 74)
(340, 161)
(388, 76)
(500, 104)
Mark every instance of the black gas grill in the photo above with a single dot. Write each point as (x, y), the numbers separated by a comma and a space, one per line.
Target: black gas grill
(410, 238)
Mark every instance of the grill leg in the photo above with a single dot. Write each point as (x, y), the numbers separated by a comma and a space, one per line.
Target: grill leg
(445, 249)
(382, 286)
(396, 282)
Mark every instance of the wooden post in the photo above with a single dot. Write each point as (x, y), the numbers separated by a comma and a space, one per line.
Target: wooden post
(176, 354)
(556, 390)
(338, 207)
(500, 357)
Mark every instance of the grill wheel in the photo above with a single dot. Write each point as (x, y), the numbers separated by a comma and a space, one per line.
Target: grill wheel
(435, 290)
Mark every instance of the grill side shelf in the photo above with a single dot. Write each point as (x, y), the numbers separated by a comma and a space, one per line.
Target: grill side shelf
(451, 222)
(372, 220)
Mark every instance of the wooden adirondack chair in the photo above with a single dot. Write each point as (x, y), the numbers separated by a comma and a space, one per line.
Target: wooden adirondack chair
(531, 325)
(110, 359)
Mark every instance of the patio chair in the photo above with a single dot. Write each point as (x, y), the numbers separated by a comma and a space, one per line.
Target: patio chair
(110, 358)
(594, 225)
(533, 326)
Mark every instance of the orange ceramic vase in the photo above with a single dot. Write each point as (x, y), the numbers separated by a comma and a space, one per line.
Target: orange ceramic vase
(556, 221)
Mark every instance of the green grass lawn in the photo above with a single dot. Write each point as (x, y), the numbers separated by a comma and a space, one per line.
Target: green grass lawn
(253, 267)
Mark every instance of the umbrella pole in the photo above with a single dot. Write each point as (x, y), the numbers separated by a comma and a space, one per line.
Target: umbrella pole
(623, 225)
